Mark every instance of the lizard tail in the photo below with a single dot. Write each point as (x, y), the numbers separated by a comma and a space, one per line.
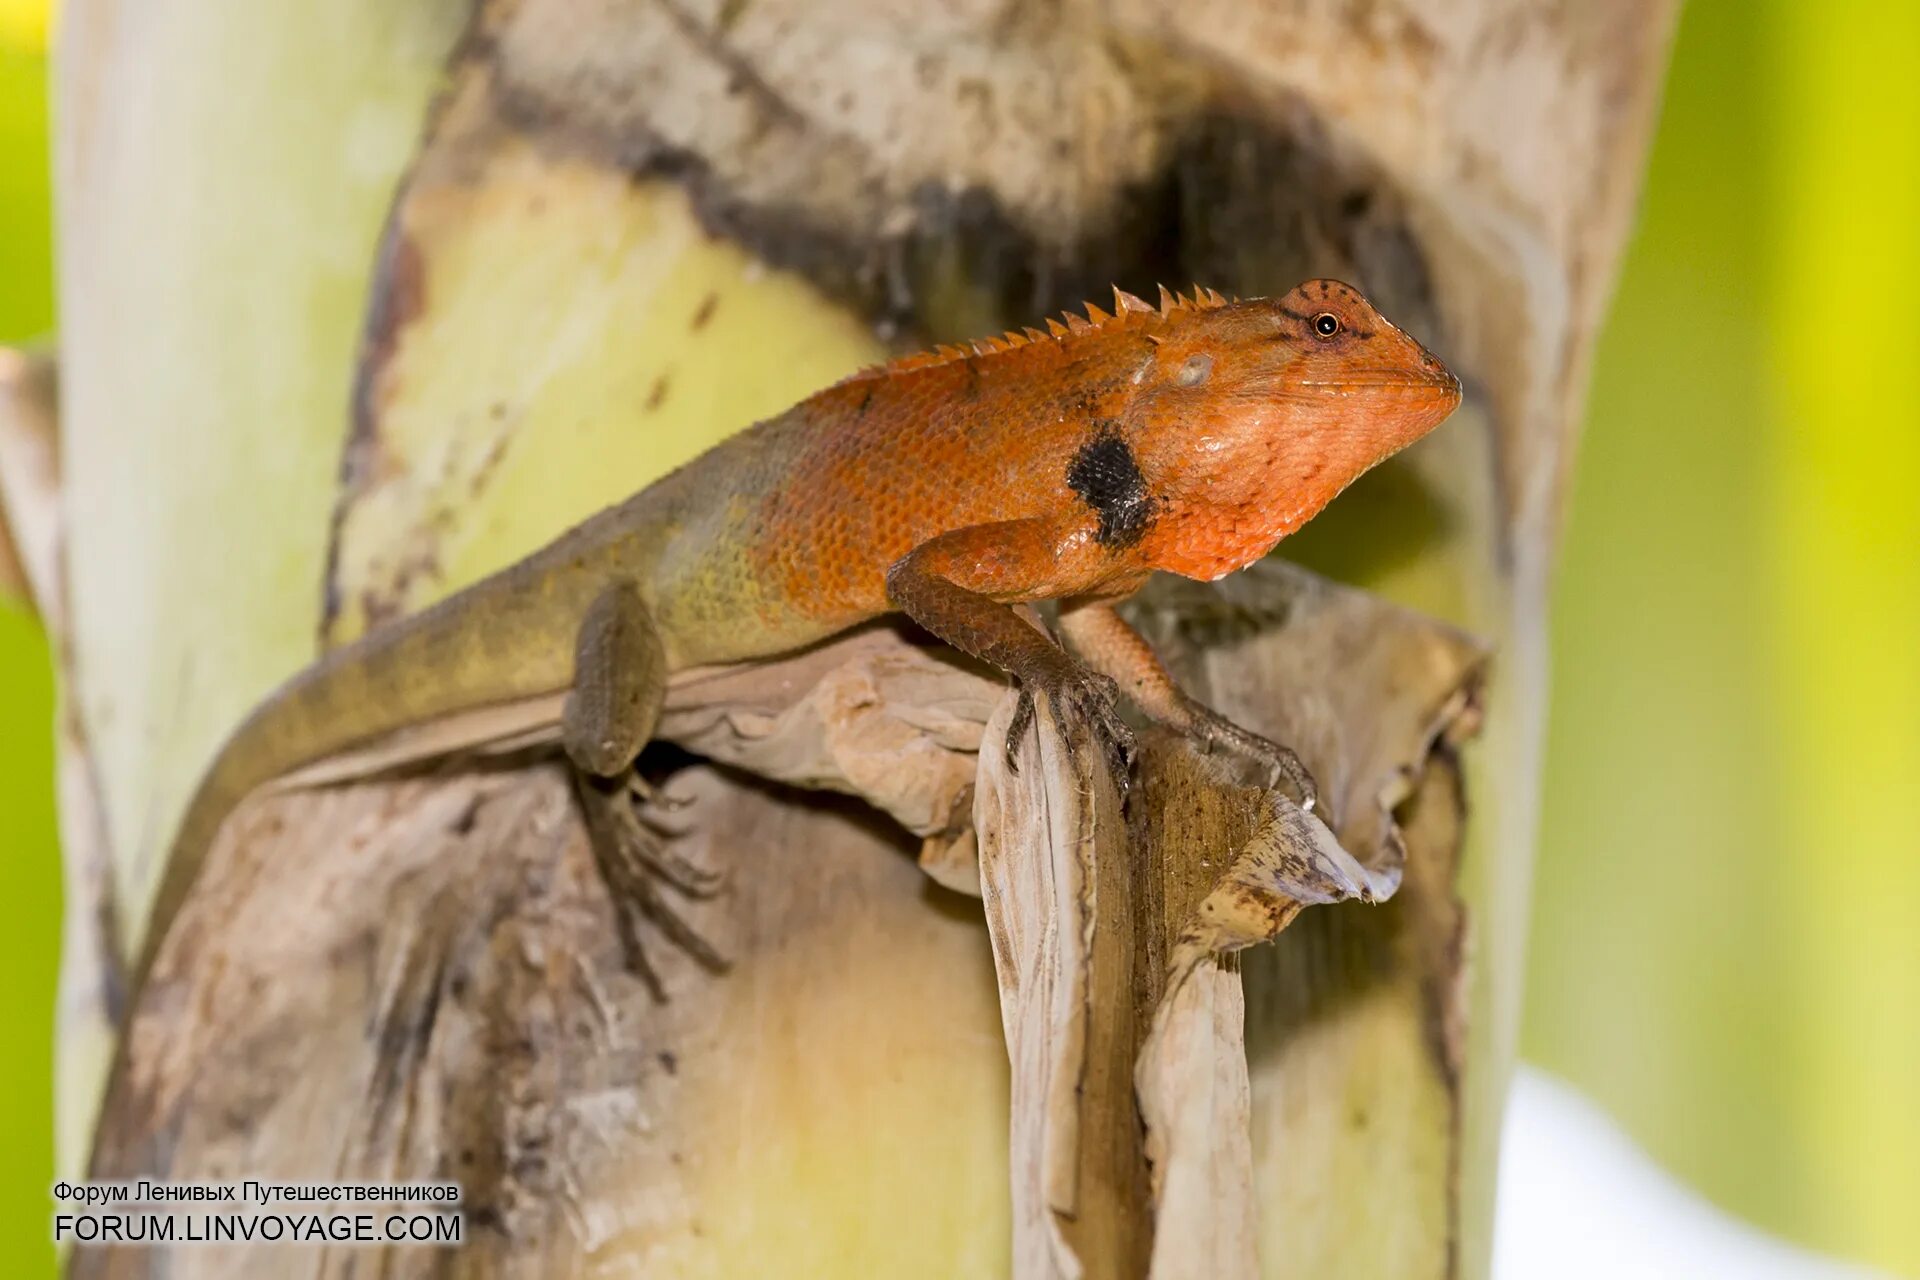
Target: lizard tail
(236, 771)
(506, 637)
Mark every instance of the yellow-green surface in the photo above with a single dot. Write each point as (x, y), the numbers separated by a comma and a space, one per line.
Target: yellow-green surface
(1843, 501)
(29, 867)
(220, 234)
(1727, 940)
(1726, 944)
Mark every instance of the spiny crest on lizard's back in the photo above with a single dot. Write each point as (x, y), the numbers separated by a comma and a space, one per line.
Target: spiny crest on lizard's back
(1129, 311)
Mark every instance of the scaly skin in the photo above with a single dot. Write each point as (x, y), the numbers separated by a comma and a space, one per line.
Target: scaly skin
(1066, 465)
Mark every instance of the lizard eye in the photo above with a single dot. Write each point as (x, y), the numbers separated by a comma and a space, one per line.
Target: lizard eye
(1326, 324)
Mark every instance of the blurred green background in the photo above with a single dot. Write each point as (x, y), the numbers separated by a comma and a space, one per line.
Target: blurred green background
(1726, 935)
(29, 849)
(1725, 950)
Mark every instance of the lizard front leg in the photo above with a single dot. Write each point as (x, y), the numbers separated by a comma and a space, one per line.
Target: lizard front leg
(1103, 638)
(959, 586)
(619, 684)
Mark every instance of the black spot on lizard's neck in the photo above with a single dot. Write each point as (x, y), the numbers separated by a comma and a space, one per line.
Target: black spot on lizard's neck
(1108, 479)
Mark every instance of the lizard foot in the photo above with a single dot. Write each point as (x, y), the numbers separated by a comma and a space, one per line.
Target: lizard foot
(1083, 693)
(1280, 763)
(635, 863)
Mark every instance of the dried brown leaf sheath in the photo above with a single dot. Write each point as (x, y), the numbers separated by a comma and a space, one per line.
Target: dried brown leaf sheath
(1110, 943)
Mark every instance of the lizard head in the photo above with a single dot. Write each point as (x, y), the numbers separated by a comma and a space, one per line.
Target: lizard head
(1257, 414)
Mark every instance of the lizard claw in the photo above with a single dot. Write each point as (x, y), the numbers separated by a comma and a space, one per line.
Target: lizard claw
(635, 864)
(1280, 763)
(1285, 764)
(1082, 695)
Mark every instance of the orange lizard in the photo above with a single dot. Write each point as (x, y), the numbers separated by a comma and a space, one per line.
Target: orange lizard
(1059, 465)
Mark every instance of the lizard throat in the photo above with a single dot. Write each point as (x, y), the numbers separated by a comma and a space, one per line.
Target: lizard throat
(1212, 541)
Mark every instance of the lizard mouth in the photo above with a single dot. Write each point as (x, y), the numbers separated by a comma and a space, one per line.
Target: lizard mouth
(1428, 379)
(1441, 389)
(1406, 403)
(1388, 379)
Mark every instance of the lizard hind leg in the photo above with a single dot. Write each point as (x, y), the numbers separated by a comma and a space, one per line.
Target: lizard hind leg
(1103, 638)
(619, 684)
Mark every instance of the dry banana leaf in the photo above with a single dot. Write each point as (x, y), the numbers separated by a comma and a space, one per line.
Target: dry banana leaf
(422, 943)
(1111, 936)
(88, 1002)
(29, 476)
